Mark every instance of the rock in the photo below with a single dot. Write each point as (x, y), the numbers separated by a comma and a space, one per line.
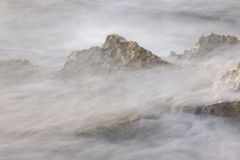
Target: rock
(224, 109)
(173, 54)
(121, 128)
(206, 46)
(229, 79)
(15, 69)
(116, 54)
(14, 64)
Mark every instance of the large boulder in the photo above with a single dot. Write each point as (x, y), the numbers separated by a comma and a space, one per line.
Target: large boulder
(116, 54)
(208, 46)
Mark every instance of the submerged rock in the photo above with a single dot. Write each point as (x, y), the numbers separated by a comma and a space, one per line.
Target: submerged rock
(229, 79)
(206, 46)
(116, 54)
(122, 128)
(224, 109)
(15, 69)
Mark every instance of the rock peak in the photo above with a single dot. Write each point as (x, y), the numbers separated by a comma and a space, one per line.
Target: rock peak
(115, 37)
(114, 40)
(116, 54)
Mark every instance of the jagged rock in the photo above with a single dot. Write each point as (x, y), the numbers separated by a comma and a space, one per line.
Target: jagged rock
(206, 46)
(224, 109)
(122, 128)
(116, 54)
(229, 79)
(15, 68)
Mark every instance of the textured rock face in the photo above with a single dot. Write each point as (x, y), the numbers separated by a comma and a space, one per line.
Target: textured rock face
(15, 69)
(116, 54)
(129, 53)
(229, 79)
(224, 109)
(207, 44)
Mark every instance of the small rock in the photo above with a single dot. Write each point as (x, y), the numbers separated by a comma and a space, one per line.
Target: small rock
(207, 44)
(229, 79)
(15, 69)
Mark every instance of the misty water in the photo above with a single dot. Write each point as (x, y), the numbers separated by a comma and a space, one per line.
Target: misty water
(42, 117)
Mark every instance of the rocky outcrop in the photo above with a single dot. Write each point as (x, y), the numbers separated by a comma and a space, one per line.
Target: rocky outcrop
(224, 109)
(116, 54)
(206, 46)
(15, 69)
(229, 79)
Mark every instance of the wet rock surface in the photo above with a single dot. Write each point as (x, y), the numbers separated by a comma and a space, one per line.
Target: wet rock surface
(116, 54)
(224, 109)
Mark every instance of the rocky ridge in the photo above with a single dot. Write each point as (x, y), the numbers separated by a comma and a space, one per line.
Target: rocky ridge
(119, 54)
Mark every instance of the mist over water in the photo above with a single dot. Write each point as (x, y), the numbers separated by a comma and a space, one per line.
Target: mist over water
(42, 116)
